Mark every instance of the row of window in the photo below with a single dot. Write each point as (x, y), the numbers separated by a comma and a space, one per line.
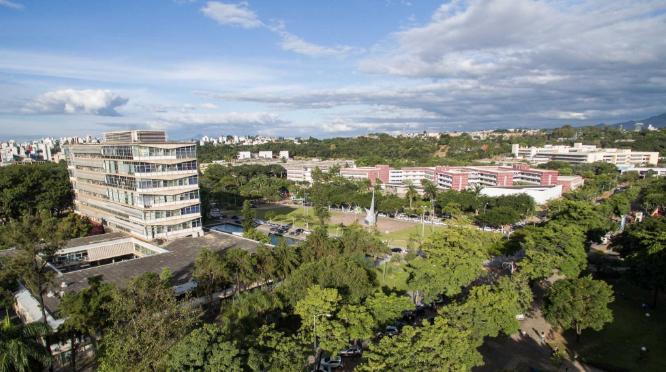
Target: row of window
(152, 167)
(128, 152)
(177, 227)
(149, 200)
(156, 215)
(152, 184)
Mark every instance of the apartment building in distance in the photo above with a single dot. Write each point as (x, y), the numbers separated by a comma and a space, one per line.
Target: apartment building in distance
(579, 153)
(301, 170)
(457, 178)
(139, 183)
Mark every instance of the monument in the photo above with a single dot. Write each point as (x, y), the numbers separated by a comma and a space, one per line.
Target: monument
(371, 215)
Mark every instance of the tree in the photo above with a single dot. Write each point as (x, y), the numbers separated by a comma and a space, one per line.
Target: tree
(643, 244)
(579, 213)
(37, 239)
(210, 272)
(387, 308)
(357, 322)
(240, 265)
(411, 194)
(147, 320)
(452, 261)
(205, 349)
(86, 313)
(274, 351)
(266, 263)
(552, 247)
(318, 307)
(22, 348)
(248, 216)
(429, 189)
(286, 259)
(490, 310)
(579, 303)
(352, 280)
(498, 216)
(30, 188)
(440, 346)
(356, 240)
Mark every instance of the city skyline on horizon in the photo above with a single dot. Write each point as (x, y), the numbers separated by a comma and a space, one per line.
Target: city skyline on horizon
(293, 69)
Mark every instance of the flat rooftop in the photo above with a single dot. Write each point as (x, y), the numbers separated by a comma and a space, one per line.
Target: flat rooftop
(179, 259)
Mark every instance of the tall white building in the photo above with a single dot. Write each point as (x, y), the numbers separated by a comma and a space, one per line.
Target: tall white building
(139, 183)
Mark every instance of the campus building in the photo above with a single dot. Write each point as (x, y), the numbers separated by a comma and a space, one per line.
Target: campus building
(456, 178)
(579, 153)
(301, 170)
(139, 183)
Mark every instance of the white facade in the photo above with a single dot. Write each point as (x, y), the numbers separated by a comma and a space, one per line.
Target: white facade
(138, 183)
(284, 155)
(540, 194)
(265, 155)
(244, 155)
(579, 153)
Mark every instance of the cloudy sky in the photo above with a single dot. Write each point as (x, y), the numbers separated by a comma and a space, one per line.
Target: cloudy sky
(326, 68)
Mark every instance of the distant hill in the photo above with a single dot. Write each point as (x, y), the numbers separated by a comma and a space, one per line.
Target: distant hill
(658, 121)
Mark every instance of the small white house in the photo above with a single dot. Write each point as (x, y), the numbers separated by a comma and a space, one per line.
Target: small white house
(284, 155)
(265, 154)
(244, 155)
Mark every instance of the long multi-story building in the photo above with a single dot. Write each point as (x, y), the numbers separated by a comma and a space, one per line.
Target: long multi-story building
(579, 153)
(456, 178)
(139, 183)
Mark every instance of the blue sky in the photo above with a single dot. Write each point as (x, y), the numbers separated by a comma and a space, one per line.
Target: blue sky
(326, 68)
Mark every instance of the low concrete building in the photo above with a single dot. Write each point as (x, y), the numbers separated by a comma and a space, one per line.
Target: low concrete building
(540, 194)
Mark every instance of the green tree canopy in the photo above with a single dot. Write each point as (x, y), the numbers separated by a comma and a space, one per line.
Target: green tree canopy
(579, 303)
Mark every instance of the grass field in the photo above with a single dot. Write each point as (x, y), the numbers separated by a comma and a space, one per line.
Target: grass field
(617, 346)
(393, 275)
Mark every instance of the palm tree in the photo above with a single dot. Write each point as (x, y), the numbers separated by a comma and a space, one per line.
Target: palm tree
(411, 194)
(21, 346)
(286, 259)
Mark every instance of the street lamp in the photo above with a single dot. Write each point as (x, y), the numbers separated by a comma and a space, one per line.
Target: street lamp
(314, 328)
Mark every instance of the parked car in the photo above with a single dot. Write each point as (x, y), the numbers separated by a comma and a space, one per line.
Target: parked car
(332, 362)
(351, 351)
(391, 330)
(396, 250)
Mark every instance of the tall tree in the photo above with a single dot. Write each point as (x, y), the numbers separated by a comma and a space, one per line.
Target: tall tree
(286, 259)
(210, 272)
(579, 303)
(86, 313)
(553, 247)
(452, 261)
(37, 239)
(205, 349)
(147, 320)
(644, 246)
(440, 346)
(490, 310)
(248, 215)
(240, 265)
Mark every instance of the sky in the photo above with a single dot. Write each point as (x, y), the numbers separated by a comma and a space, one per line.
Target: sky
(326, 68)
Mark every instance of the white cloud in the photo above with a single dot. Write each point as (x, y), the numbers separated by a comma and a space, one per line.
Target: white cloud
(241, 15)
(204, 73)
(232, 14)
(233, 119)
(70, 101)
(503, 37)
(11, 4)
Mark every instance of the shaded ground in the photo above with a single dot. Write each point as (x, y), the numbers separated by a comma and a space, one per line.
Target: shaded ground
(617, 346)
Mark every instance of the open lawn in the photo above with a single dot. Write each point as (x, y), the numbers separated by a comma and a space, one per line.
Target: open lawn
(617, 346)
(393, 275)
